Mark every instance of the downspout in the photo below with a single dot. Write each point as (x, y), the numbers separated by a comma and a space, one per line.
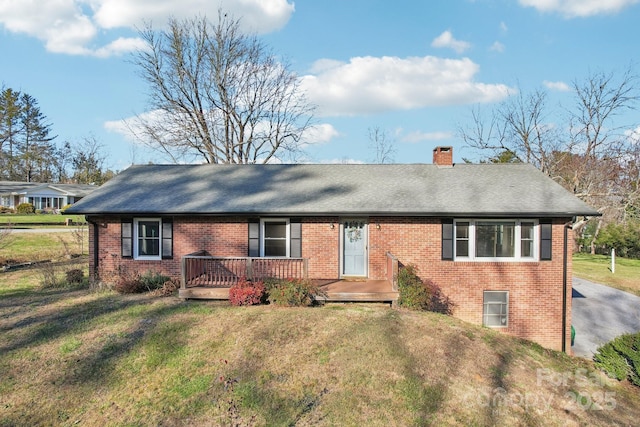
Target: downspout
(96, 246)
(565, 259)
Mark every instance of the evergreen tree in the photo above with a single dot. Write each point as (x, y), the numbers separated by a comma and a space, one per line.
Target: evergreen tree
(36, 158)
(10, 110)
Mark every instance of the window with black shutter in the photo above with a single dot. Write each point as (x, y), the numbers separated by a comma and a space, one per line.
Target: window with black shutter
(167, 238)
(545, 241)
(127, 238)
(254, 237)
(147, 238)
(447, 239)
(275, 237)
(295, 243)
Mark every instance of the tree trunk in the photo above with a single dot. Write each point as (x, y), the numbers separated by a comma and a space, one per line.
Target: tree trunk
(595, 236)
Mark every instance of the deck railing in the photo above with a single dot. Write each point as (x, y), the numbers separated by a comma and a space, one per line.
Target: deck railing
(393, 266)
(199, 269)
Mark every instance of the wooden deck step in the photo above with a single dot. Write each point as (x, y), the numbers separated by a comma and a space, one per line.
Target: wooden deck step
(203, 292)
(359, 297)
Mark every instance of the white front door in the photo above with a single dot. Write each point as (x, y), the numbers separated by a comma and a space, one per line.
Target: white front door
(354, 247)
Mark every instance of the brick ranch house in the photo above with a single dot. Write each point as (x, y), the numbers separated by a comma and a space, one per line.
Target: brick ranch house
(493, 237)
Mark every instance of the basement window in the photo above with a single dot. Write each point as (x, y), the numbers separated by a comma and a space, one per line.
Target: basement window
(496, 309)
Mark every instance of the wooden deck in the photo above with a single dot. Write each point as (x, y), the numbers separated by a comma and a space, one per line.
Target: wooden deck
(359, 291)
(334, 291)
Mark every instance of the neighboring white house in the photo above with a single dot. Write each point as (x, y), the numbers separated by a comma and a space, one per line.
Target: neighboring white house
(42, 196)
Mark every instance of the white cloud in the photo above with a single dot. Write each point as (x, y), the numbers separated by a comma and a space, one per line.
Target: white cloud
(497, 47)
(120, 46)
(132, 128)
(322, 65)
(633, 135)
(579, 8)
(71, 26)
(558, 86)
(418, 136)
(320, 134)
(343, 161)
(503, 27)
(256, 15)
(368, 85)
(447, 40)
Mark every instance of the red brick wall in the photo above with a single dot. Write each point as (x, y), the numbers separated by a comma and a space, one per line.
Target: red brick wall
(443, 156)
(535, 288)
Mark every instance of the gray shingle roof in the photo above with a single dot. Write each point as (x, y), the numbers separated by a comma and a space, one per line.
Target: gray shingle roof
(411, 189)
(17, 187)
(14, 187)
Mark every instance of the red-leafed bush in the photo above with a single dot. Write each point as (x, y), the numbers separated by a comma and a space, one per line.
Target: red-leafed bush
(246, 293)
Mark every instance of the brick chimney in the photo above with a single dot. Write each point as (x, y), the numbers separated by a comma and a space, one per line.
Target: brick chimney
(443, 156)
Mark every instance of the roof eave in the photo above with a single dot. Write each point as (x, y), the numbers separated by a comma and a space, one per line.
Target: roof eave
(444, 214)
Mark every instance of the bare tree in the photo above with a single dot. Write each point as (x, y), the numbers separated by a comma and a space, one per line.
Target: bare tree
(519, 126)
(382, 146)
(589, 154)
(218, 95)
(87, 161)
(602, 144)
(5, 235)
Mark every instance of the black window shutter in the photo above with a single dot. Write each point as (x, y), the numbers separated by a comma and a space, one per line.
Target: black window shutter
(545, 241)
(254, 237)
(167, 238)
(126, 238)
(295, 237)
(447, 239)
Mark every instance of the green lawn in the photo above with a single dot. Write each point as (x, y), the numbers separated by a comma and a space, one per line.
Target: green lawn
(597, 268)
(22, 247)
(19, 220)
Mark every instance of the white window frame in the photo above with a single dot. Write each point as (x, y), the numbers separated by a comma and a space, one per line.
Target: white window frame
(484, 304)
(517, 257)
(136, 254)
(263, 235)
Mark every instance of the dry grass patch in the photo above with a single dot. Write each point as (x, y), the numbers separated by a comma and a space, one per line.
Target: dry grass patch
(75, 357)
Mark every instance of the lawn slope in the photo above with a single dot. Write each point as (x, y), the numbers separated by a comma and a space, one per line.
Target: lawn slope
(72, 357)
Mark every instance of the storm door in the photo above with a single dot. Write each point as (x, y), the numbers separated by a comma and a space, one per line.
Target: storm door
(354, 247)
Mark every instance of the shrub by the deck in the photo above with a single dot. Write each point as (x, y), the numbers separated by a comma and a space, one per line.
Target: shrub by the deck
(418, 294)
(291, 292)
(131, 282)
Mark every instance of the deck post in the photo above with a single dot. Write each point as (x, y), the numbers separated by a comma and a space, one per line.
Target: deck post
(305, 268)
(392, 271)
(249, 268)
(183, 271)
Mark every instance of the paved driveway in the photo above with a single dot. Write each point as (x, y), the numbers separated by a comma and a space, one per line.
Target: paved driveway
(601, 313)
(43, 230)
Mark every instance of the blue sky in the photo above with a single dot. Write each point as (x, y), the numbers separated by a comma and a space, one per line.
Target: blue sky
(411, 68)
